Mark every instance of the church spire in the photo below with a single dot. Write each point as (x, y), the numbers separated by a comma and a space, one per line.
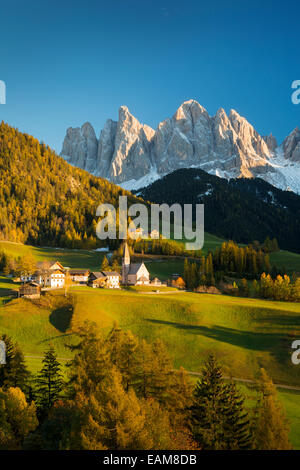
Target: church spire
(126, 255)
(125, 264)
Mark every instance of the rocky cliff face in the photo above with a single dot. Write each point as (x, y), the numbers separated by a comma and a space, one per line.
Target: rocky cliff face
(130, 153)
(291, 146)
(80, 147)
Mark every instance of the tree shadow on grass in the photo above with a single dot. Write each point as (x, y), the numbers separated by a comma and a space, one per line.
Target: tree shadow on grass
(256, 341)
(289, 321)
(61, 318)
(9, 290)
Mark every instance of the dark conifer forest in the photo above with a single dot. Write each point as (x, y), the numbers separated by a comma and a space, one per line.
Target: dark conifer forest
(240, 209)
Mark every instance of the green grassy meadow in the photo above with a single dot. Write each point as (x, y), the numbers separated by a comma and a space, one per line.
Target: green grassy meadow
(244, 334)
(160, 267)
(69, 258)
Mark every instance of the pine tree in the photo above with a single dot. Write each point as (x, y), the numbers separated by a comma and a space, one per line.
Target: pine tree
(115, 266)
(49, 381)
(237, 427)
(14, 373)
(104, 264)
(207, 408)
(218, 418)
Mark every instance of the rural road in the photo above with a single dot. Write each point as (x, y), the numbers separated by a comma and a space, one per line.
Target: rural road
(238, 379)
(198, 374)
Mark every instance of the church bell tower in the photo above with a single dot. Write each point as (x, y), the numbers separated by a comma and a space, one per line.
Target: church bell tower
(125, 263)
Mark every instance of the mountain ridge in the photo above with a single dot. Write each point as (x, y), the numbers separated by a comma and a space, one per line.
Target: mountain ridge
(242, 209)
(131, 154)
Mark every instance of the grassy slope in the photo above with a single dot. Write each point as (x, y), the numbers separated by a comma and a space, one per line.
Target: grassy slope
(163, 268)
(243, 333)
(291, 403)
(70, 258)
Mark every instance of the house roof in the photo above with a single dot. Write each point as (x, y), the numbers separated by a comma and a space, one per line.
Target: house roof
(78, 271)
(97, 274)
(49, 272)
(111, 273)
(29, 285)
(49, 264)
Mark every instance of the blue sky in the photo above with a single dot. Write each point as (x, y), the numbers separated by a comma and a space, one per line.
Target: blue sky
(67, 62)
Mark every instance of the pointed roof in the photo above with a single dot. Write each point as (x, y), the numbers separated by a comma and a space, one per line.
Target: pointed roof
(135, 267)
(111, 273)
(126, 255)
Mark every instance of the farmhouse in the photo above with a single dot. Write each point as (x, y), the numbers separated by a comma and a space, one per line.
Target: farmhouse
(154, 233)
(80, 276)
(96, 279)
(110, 279)
(30, 290)
(156, 282)
(136, 233)
(133, 274)
(53, 278)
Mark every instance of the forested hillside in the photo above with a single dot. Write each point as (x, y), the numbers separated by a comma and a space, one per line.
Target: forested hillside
(44, 200)
(240, 209)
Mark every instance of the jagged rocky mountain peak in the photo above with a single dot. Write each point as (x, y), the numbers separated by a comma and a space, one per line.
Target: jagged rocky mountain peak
(133, 154)
(291, 145)
(271, 142)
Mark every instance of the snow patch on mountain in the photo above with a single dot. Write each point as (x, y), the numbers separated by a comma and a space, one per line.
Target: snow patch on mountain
(134, 155)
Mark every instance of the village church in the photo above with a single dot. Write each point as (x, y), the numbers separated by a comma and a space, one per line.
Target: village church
(133, 274)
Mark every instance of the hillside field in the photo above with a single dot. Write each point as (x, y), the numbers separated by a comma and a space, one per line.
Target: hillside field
(160, 267)
(244, 334)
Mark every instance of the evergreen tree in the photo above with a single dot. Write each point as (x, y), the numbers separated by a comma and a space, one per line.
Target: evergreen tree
(104, 264)
(207, 408)
(14, 373)
(49, 383)
(237, 427)
(115, 266)
(218, 418)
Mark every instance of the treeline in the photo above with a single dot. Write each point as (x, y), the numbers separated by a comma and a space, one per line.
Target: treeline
(21, 265)
(229, 259)
(239, 209)
(280, 288)
(161, 246)
(122, 393)
(44, 200)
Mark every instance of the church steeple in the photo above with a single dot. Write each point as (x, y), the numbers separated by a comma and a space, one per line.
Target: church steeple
(125, 263)
(126, 255)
